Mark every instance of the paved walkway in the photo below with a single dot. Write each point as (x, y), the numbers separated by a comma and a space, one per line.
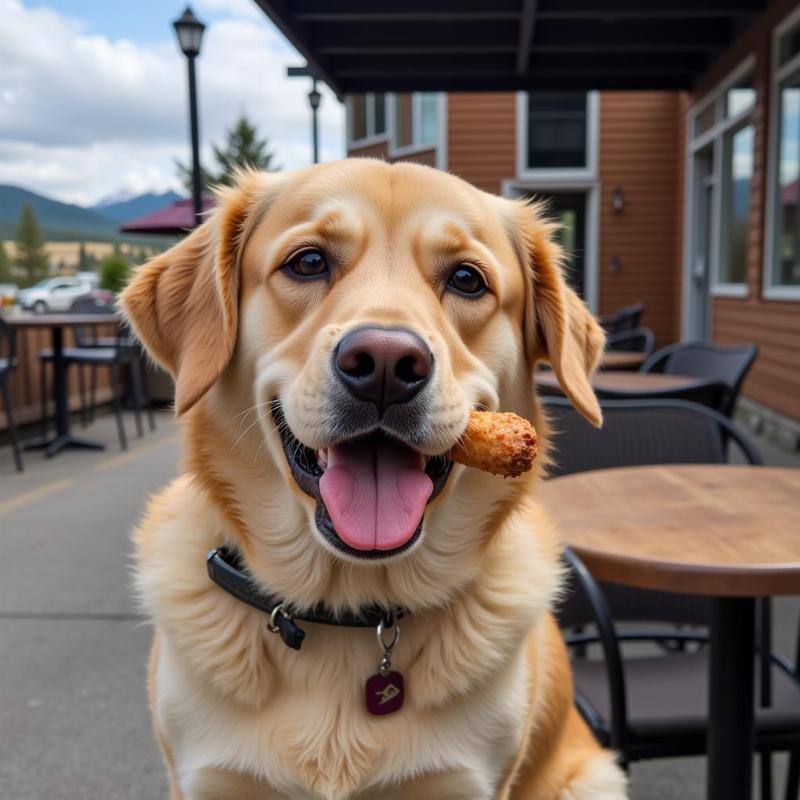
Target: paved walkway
(74, 723)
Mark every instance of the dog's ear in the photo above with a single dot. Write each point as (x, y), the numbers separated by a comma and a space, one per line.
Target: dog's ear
(558, 326)
(184, 304)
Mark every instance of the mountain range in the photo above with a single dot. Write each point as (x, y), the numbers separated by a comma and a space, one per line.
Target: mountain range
(68, 222)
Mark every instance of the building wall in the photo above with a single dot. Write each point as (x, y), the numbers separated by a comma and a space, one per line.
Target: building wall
(771, 324)
(481, 145)
(638, 153)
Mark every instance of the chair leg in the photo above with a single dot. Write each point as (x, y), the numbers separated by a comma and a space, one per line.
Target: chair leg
(793, 778)
(765, 775)
(84, 398)
(114, 379)
(136, 386)
(148, 403)
(43, 397)
(93, 393)
(12, 430)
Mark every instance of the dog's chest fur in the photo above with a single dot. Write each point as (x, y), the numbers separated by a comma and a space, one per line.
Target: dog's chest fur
(241, 713)
(314, 737)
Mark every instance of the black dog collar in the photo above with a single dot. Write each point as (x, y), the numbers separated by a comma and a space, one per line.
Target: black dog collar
(225, 569)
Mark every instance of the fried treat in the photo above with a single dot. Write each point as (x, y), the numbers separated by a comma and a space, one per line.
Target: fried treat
(500, 443)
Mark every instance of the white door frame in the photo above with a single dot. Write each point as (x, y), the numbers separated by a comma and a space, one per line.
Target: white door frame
(522, 188)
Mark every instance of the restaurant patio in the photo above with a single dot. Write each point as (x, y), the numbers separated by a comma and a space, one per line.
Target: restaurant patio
(680, 516)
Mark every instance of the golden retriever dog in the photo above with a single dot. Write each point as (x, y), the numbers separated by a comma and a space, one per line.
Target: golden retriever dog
(329, 331)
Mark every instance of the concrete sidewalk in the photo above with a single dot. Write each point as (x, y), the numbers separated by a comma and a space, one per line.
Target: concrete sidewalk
(74, 723)
(73, 651)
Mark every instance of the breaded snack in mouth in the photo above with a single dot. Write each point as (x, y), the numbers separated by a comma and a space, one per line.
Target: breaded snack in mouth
(500, 443)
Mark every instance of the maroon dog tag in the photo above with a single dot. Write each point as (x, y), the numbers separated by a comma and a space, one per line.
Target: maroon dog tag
(384, 693)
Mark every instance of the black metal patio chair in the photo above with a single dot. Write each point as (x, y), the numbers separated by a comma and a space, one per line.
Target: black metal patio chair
(707, 360)
(626, 319)
(656, 706)
(117, 355)
(8, 363)
(636, 340)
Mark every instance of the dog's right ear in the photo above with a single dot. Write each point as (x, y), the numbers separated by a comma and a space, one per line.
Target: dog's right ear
(184, 304)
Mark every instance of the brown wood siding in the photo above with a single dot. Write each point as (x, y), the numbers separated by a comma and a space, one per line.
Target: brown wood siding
(772, 325)
(482, 138)
(639, 153)
(381, 151)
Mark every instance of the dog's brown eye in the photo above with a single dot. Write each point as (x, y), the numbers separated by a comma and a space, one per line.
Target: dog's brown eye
(308, 264)
(467, 280)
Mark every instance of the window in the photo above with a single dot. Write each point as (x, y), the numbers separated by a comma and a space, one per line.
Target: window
(782, 261)
(737, 180)
(416, 120)
(557, 125)
(367, 116)
(721, 153)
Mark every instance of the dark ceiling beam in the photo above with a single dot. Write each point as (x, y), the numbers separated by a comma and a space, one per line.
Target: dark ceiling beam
(327, 10)
(297, 34)
(564, 47)
(512, 83)
(527, 23)
(636, 9)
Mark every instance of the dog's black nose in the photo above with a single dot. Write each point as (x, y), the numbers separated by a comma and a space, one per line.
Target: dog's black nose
(383, 365)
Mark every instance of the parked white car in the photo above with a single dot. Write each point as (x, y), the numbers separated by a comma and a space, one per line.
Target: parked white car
(52, 294)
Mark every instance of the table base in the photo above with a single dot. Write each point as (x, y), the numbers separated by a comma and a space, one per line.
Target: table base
(731, 700)
(58, 443)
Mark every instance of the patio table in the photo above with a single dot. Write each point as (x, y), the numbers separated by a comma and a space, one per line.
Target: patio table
(622, 360)
(726, 532)
(57, 323)
(615, 383)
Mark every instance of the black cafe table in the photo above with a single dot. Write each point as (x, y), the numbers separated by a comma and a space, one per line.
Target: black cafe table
(57, 323)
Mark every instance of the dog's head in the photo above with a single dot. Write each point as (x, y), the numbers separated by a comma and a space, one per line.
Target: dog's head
(361, 310)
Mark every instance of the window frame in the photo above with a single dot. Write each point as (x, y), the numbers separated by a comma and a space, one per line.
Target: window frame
(586, 173)
(717, 137)
(417, 145)
(778, 76)
(369, 118)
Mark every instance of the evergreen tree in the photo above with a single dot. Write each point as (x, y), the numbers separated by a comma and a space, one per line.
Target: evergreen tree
(243, 148)
(5, 265)
(83, 258)
(31, 257)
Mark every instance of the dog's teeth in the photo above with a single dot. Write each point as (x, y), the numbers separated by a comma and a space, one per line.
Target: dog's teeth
(322, 458)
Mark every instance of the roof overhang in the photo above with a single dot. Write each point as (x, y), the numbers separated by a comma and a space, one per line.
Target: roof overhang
(510, 45)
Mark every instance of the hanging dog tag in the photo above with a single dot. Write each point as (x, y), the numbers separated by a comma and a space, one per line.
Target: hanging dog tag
(385, 690)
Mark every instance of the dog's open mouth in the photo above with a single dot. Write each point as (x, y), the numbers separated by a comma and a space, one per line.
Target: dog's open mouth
(371, 492)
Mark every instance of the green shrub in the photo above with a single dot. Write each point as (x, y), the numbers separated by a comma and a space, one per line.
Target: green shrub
(114, 272)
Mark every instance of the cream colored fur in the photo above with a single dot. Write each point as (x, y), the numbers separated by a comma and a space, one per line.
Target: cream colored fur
(488, 712)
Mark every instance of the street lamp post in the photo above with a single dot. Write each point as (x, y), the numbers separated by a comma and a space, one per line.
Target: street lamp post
(314, 100)
(189, 30)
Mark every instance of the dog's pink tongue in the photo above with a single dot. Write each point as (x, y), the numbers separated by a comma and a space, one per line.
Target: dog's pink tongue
(375, 494)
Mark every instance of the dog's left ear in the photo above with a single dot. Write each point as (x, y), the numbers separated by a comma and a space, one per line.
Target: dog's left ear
(558, 326)
(184, 304)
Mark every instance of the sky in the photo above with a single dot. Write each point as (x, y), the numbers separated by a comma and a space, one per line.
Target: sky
(93, 93)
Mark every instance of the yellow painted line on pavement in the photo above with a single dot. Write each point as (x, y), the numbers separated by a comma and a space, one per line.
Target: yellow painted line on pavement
(29, 498)
(132, 455)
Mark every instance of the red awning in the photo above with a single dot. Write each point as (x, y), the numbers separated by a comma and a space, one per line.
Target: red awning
(175, 220)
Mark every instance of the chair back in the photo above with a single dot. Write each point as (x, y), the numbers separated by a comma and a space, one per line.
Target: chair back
(706, 360)
(86, 335)
(640, 433)
(8, 349)
(626, 319)
(636, 340)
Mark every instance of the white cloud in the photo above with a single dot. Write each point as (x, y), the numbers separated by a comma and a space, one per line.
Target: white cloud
(82, 116)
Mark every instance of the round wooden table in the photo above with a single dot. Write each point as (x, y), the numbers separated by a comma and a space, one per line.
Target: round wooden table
(56, 323)
(622, 360)
(619, 383)
(728, 532)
